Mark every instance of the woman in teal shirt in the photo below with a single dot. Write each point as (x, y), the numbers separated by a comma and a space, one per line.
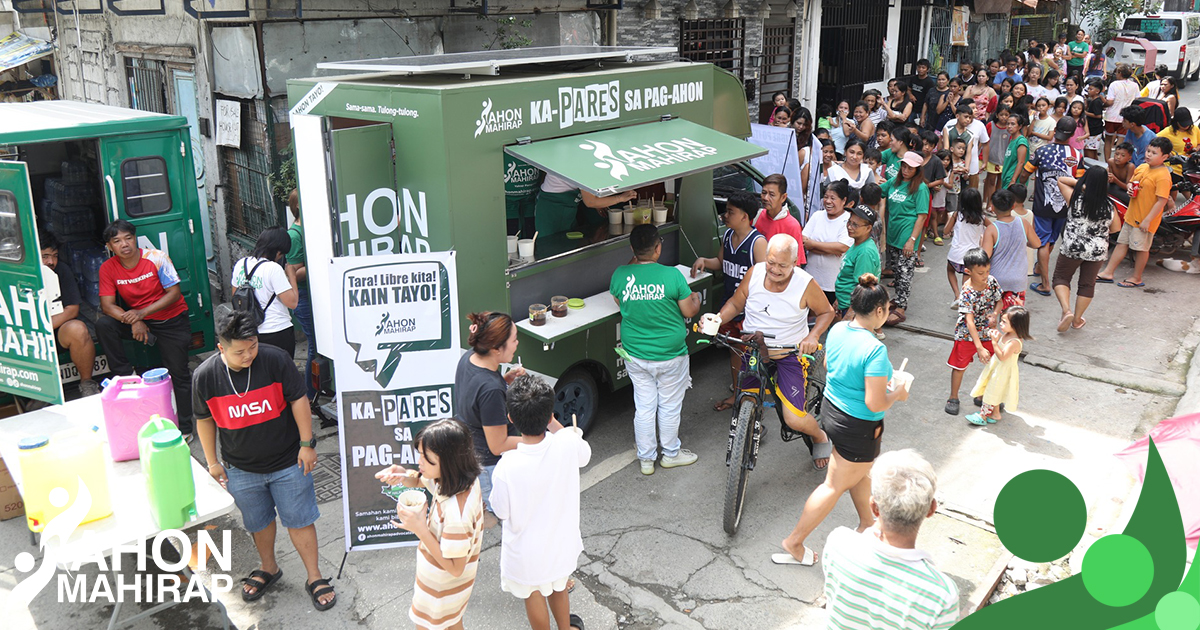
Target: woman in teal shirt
(857, 393)
(907, 208)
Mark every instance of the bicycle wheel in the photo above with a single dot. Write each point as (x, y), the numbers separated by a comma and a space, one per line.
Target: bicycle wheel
(735, 483)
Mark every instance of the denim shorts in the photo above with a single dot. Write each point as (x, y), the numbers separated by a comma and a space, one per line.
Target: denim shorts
(259, 496)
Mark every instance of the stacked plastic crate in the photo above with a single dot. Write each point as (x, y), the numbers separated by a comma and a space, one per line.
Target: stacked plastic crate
(70, 209)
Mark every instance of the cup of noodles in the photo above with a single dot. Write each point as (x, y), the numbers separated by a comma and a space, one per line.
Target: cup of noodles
(710, 323)
(412, 500)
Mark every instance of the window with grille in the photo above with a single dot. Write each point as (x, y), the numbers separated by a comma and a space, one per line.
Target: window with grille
(147, 191)
(147, 80)
(719, 42)
(244, 169)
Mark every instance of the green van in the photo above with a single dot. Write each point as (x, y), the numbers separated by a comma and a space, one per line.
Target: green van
(72, 168)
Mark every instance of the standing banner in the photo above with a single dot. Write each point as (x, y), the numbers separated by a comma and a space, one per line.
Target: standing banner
(782, 157)
(396, 347)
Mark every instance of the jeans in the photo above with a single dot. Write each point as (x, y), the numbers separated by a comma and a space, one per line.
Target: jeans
(260, 496)
(304, 315)
(658, 388)
(174, 335)
(485, 485)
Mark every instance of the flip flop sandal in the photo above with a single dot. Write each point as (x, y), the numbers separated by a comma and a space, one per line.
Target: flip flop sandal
(722, 405)
(1082, 323)
(810, 558)
(895, 319)
(1131, 285)
(316, 589)
(1065, 322)
(1037, 288)
(576, 622)
(822, 450)
(260, 587)
(1104, 280)
(571, 585)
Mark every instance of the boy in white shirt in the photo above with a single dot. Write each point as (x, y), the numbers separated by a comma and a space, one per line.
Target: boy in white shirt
(535, 494)
(975, 134)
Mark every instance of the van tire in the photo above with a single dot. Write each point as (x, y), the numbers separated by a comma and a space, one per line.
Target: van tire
(576, 393)
(1195, 75)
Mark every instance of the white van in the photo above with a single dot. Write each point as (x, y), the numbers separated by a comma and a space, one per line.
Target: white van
(1176, 35)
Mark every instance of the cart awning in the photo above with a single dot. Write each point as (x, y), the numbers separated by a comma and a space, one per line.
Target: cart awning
(608, 162)
(19, 48)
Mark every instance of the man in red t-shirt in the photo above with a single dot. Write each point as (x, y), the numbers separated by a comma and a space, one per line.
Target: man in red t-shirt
(148, 285)
(774, 217)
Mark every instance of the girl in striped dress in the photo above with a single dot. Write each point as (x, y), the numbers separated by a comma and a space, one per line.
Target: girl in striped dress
(451, 531)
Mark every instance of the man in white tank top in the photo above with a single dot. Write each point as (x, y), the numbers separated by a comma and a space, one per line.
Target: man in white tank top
(776, 297)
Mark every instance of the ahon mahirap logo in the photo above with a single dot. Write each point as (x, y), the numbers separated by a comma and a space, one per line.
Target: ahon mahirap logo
(491, 120)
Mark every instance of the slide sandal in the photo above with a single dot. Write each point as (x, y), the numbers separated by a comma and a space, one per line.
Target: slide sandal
(576, 622)
(822, 450)
(810, 558)
(316, 589)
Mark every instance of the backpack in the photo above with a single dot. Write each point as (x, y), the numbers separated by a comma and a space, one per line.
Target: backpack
(244, 299)
(1156, 113)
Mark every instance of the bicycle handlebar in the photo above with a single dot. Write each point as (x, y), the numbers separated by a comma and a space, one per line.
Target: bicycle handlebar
(737, 340)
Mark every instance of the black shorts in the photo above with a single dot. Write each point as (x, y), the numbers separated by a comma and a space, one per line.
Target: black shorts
(855, 439)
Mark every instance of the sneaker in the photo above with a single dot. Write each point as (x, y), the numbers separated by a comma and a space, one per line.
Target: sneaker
(880, 335)
(954, 304)
(684, 458)
(88, 388)
(952, 406)
(647, 466)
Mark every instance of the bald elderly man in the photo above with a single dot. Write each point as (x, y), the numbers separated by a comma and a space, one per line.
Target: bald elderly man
(776, 297)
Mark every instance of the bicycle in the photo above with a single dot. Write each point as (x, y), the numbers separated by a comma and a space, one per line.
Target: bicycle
(741, 452)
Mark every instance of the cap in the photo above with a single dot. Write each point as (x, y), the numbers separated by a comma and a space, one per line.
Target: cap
(155, 375)
(1064, 129)
(31, 443)
(865, 213)
(914, 159)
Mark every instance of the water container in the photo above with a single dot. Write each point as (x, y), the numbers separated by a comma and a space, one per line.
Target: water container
(156, 425)
(128, 403)
(72, 220)
(170, 488)
(60, 461)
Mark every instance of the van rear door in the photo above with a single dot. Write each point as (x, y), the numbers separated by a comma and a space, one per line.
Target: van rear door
(28, 355)
(144, 183)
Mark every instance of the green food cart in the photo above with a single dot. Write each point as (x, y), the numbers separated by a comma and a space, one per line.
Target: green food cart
(73, 168)
(409, 154)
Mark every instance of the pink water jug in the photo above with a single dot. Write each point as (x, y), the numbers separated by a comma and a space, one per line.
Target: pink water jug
(129, 402)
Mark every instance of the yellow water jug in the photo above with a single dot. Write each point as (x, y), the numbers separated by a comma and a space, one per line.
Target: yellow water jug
(55, 469)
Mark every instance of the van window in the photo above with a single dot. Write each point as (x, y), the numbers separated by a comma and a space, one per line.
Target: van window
(144, 181)
(1156, 29)
(1193, 28)
(11, 247)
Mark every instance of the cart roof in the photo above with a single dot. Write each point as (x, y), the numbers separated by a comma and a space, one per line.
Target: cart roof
(44, 121)
(490, 61)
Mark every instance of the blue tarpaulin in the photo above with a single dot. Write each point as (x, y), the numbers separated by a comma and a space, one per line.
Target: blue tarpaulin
(18, 48)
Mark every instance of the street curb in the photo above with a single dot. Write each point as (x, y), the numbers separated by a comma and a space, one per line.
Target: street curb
(1113, 377)
(1189, 402)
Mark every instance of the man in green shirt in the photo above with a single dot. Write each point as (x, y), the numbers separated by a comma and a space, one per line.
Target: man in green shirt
(654, 301)
(862, 257)
(297, 260)
(1078, 53)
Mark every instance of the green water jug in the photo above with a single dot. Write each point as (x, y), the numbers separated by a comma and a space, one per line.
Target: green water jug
(170, 487)
(156, 424)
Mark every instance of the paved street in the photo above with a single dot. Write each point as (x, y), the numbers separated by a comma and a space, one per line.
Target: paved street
(656, 556)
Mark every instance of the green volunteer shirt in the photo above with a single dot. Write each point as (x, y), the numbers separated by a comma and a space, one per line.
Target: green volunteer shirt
(1077, 47)
(652, 327)
(903, 208)
(296, 255)
(891, 164)
(859, 259)
(520, 186)
(1010, 159)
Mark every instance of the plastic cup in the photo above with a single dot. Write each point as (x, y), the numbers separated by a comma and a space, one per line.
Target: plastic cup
(575, 430)
(614, 217)
(628, 217)
(512, 244)
(412, 500)
(558, 306)
(537, 314)
(900, 379)
(660, 216)
(525, 247)
(642, 215)
(710, 323)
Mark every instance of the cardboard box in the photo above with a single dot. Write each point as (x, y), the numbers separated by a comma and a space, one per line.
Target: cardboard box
(11, 505)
